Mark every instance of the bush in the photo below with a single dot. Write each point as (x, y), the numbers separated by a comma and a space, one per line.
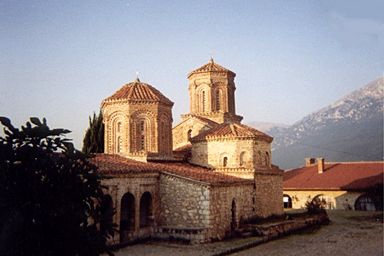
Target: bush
(315, 206)
(49, 194)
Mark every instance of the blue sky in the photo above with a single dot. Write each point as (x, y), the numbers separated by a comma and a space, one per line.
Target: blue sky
(60, 59)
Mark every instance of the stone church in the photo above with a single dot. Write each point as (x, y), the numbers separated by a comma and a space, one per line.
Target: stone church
(198, 181)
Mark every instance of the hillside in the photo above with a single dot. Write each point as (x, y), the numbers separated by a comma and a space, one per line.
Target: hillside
(351, 129)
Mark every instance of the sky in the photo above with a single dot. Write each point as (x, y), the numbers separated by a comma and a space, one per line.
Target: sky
(60, 59)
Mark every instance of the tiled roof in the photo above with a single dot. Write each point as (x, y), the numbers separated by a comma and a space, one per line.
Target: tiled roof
(339, 176)
(232, 130)
(138, 91)
(211, 66)
(114, 164)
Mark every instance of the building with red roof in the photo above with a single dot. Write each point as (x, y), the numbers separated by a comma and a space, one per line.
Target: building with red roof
(196, 181)
(340, 185)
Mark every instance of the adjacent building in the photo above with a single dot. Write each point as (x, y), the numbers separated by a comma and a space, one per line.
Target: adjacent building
(339, 185)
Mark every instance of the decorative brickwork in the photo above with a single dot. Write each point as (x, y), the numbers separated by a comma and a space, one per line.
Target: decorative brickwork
(138, 122)
(219, 174)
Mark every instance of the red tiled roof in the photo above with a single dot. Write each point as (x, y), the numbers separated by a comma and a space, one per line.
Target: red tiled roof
(138, 91)
(232, 130)
(211, 66)
(114, 164)
(336, 176)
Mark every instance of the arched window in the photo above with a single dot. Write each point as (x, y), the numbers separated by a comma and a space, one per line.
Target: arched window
(242, 162)
(218, 100)
(119, 127)
(119, 144)
(146, 216)
(141, 134)
(189, 134)
(225, 161)
(203, 102)
(287, 201)
(259, 158)
(127, 216)
(266, 158)
(365, 203)
(106, 216)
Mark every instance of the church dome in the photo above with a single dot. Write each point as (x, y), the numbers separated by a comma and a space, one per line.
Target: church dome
(211, 66)
(232, 130)
(140, 92)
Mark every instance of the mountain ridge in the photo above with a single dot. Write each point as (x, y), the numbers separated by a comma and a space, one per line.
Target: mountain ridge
(349, 129)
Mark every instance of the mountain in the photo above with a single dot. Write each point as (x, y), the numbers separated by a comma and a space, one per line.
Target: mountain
(351, 129)
(266, 127)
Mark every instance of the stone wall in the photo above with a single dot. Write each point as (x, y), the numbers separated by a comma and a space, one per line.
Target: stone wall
(240, 154)
(229, 205)
(121, 120)
(180, 131)
(336, 199)
(269, 194)
(137, 185)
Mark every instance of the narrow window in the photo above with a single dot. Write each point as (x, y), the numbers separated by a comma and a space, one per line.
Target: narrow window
(189, 134)
(217, 100)
(203, 101)
(225, 161)
(119, 127)
(242, 158)
(141, 135)
(266, 158)
(118, 144)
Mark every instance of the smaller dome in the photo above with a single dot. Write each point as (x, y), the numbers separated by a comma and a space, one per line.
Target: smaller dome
(138, 91)
(211, 66)
(232, 130)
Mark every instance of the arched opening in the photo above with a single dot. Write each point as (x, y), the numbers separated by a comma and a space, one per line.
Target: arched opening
(324, 201)
(365, 203)
(127, 216)
(241, 160)
(106, 216)
(259, 158)
(189, 134)
(266, 158)
(233, 216)
(146, 216)
(225, 161)
(287, 201)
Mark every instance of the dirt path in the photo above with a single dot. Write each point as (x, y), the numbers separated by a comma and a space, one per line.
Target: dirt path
(349, 233)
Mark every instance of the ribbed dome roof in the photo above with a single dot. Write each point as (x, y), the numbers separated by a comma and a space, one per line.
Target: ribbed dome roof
(138, 91)
(232, 130)
(211, 66)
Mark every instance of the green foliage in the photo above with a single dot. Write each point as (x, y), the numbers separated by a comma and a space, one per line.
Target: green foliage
(49, 194)
(93, 141)
(315, 206)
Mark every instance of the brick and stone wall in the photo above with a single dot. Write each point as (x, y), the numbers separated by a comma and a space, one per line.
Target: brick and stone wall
(269, 193)
(136, 185)
(230, 205)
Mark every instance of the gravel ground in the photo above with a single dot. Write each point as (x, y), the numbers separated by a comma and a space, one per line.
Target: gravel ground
(350, 233)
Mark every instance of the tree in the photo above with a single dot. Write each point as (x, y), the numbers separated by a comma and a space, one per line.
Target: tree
(94, 136)
(50, 195)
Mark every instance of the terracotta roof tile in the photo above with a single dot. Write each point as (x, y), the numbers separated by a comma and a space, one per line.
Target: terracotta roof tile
(211, 66)
(138, 91)
(232, 130)
(114, 164)
(340, 176)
